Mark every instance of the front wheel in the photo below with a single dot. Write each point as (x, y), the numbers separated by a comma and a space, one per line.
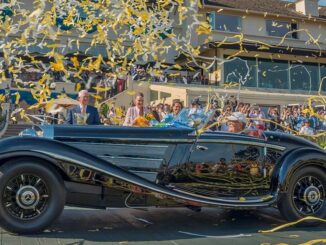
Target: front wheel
(306, 195)
(32, 196)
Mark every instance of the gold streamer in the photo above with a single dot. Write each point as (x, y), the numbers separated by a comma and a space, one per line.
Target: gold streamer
(311, 218)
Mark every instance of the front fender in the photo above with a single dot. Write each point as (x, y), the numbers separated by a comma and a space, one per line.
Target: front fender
(293, 161)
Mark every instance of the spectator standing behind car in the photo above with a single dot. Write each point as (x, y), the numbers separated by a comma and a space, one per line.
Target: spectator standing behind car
(165, 110)
(136, 111)
(257, 114)
(306, 129)
(274, 118)
(195, 107)
(83, 108)
(287, 118)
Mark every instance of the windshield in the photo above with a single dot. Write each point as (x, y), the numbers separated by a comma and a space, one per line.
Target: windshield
(195, 118)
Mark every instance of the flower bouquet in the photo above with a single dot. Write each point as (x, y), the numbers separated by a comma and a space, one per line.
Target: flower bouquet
(144, 121)
(81, 118)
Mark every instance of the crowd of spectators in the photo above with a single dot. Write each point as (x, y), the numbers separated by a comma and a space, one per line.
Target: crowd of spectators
(288, 119)
(291, 119)
(172, 76)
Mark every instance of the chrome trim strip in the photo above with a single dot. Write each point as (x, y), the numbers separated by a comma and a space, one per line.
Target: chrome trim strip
(131, 158)
(242, 142)
(129, 139)
(144, 172)
(109, 143)
(212, 198)
(281, 148)
(217, 201)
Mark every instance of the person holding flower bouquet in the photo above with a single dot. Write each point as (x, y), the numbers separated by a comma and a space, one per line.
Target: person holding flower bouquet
(136, 114)
(83, 113)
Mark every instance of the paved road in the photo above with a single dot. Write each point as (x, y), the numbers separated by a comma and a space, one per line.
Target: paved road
(167, 226)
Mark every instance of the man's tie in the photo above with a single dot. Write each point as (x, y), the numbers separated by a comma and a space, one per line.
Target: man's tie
(83, 110)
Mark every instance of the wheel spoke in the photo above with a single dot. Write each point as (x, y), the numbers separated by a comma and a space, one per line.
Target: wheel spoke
(37, 181)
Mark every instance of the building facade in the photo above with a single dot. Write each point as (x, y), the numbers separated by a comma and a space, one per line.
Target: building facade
(267, 47)
(263, 47)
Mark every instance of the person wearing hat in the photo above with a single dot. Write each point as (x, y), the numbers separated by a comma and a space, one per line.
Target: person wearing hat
(236, 122)
(306, 129)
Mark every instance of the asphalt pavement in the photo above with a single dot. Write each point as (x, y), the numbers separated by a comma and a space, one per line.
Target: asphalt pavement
(169, 226)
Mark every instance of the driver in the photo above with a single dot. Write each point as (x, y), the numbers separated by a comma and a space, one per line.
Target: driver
(236, 122)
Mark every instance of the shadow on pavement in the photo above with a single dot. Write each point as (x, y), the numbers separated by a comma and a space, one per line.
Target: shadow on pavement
(120, 225)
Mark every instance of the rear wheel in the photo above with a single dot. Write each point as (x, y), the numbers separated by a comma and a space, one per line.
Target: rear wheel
(306, 195)
(32, 196)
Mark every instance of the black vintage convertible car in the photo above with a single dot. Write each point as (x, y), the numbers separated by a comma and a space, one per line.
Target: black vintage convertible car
(51, 166)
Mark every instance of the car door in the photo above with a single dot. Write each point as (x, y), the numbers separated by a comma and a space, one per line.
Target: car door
(222, 168)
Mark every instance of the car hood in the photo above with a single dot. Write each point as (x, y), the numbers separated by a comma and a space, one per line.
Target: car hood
(85, 132)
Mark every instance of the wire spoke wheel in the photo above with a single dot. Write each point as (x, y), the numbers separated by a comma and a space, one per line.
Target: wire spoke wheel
(25, 196)
(308, 195)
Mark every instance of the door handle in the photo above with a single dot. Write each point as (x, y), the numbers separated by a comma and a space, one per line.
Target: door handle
(201, 147)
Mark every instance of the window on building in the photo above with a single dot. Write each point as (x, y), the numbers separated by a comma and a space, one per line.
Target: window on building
(222, 22)
(304, 76)
(153, 95)
(241, 70)
(281, 29)
(164, 95)
(273, 74)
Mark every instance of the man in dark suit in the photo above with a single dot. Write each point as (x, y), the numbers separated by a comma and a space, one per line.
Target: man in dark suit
(84, 108)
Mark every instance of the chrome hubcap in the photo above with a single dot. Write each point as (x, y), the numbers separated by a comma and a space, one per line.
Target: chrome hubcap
(312, 195)
(27, 197)
(308, 195)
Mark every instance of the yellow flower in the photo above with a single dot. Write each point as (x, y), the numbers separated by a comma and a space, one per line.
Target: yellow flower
(141, 122)
(149, 116)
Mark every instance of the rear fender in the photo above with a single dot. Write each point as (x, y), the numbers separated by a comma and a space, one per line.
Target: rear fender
(294, 161)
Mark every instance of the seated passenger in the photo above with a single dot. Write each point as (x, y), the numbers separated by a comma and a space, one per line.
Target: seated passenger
(236, 122)
(176, 109)
(139, 110)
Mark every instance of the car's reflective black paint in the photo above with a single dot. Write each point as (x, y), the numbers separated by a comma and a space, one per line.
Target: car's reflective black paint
(136, 167)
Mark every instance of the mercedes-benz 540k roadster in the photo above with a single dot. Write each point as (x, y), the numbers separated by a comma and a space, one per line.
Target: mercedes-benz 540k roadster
(50, 166)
